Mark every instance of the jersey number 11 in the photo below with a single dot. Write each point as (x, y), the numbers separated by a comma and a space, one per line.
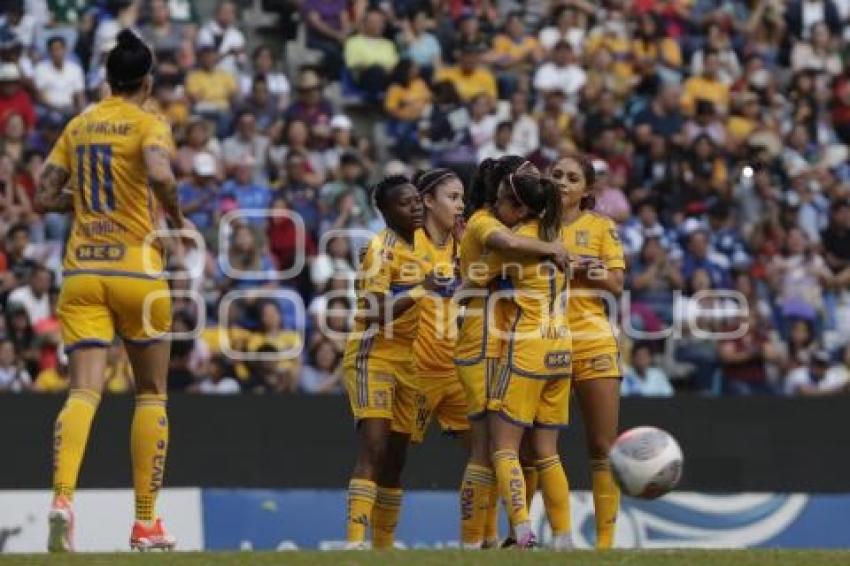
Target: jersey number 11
(100, 176)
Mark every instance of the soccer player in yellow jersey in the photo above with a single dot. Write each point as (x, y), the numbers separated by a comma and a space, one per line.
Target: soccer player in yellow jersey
(533, 390)
(379, 376)
(115, 160)
(479, 344)
(592, 240)
(441, 192)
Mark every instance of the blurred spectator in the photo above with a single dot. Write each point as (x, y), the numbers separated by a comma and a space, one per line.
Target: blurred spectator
(526, 132)
(199, 196)
(515, 54)
(265, 68)
(211, 89)
(561, 73)
(246, 144)
(744, 360)
(244, 193)
(706, 86)
(407, 100)
(642, 378)
(700, 256)
(309, 105)
(228, 42)
(287, 342)
(653, 278)
(218, 379)
(420, 45)
(60, 81)
(165, 36)
(13, 375)
(267, 377)
(468, 76)
(14, 100)
(344, 203)
(817, 378)
(199, 139)
(799, 275)
(323, 372)
(370, 57)
(328, 26)
(34, 297)
(836, 238)
(501, 143)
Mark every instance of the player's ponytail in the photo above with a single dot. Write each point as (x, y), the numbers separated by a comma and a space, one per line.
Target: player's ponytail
(550, 221)
(129, 62)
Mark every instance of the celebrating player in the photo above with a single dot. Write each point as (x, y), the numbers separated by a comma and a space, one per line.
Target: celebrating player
(442, 198)
(596, 369)
(113, 155)
(534, 382)
(379, 375)
(479, 346)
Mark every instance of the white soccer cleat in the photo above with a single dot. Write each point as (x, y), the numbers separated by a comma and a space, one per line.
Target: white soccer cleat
(60, 520)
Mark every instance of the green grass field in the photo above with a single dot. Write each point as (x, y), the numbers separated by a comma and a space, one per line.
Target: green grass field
(453, 558)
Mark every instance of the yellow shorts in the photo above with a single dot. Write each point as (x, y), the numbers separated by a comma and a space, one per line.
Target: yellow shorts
(92, 308)
(478, 381)
(598, 366)
(445, 399)
(532, 402)
(383, 391)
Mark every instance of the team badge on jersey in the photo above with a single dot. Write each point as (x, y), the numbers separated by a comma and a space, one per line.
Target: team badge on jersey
(582, 238)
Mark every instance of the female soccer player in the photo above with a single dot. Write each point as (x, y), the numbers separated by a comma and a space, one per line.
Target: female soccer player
(379, 374)
(534, 383)
(597, 278)
(479, 343)
(113, 155)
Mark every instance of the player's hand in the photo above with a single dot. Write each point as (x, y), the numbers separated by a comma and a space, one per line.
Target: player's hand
(560, 256)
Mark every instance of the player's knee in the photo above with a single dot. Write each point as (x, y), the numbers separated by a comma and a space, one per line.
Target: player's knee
(151, 388)
(374, 452)
(598, 445)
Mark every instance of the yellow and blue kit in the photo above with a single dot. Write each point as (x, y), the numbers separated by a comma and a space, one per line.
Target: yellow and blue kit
(113, 264)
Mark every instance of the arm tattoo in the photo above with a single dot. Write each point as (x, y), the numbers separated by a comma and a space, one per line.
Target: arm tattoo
(50, 195)
(162, 181)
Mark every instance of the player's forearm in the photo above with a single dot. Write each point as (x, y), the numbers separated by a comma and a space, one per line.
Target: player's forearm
(166, 193)
(505, 240)
(50, 195)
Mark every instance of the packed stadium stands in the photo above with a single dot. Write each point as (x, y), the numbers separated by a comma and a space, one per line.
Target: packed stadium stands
(718, 130)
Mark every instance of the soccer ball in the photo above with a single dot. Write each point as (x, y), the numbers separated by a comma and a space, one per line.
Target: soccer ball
(647, 462)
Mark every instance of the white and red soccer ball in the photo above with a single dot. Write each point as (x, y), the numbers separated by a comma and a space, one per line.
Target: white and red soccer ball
(646, 462)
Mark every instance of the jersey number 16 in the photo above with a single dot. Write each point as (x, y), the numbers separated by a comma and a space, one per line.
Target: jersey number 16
(99, 176)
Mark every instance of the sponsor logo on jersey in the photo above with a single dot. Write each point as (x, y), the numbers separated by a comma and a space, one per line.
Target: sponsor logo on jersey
(558, 360)
(99, 253)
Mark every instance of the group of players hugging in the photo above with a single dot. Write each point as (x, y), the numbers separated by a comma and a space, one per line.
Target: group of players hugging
(485, 308)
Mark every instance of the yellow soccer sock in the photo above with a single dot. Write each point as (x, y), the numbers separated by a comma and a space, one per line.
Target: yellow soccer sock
(361, 500)
(491, 520)
(556, 493)
(385, 516)
(148, 447)
(511, 485)
(475, 503)
(606, 501)
(70, 435)
(529, 474)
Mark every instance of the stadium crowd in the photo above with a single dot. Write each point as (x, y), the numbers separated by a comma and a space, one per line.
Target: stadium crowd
(718, 130)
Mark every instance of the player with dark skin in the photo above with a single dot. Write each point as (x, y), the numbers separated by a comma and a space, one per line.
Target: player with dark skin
(381, 452)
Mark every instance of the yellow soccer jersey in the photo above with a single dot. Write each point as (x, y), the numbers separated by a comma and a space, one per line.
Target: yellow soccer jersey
(539, 343)
(434, 346)
(592, 235)
(479, 265)
(115, 212)
(389, 267)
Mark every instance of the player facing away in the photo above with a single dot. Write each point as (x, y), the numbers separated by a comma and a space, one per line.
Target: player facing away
(380, 379)
(115, 160)
(533, 388)
(597, 276)
(482, 325)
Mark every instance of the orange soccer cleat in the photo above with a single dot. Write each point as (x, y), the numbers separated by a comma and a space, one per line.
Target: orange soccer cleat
(151, 537)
